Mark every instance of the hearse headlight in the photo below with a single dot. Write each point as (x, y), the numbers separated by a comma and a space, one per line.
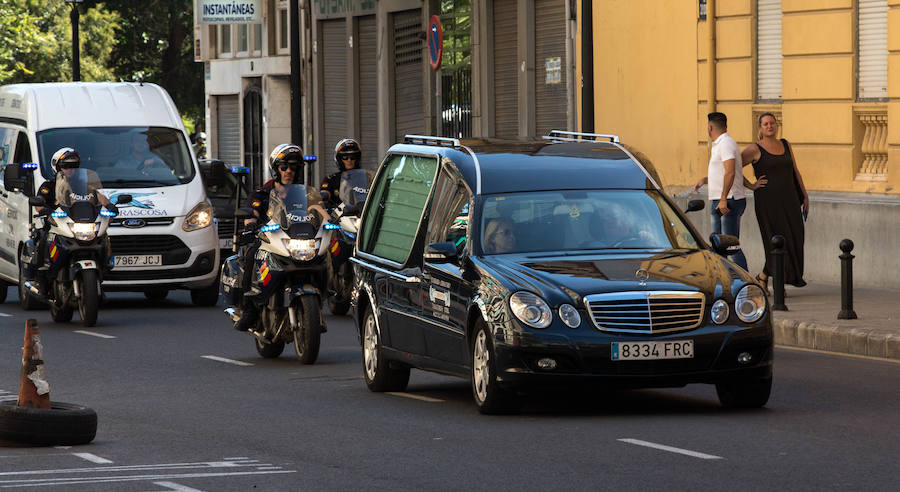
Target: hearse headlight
(530, 309)
(719, 312)
(301, 249)
(569, 314)
(750, 303)
(84, 231)
(200, 217)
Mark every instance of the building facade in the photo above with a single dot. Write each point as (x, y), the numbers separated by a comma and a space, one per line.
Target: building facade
(828, 69)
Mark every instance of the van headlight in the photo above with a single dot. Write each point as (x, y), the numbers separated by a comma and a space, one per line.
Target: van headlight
(302, 249)
(750, 303)
(200, 216)
(530, 309)
(84, 231)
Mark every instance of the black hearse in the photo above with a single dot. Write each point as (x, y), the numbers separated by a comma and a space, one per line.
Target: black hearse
(547, 263)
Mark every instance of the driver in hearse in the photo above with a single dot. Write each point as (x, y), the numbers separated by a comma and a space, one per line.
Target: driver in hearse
(64, 160)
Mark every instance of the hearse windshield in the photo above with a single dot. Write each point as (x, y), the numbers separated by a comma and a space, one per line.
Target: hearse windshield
(578, 220)
(123, 157)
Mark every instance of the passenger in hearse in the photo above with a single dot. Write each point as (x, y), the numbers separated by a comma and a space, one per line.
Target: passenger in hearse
(499, 237)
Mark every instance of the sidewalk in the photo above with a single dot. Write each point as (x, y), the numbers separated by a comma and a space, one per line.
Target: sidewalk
(811, 321)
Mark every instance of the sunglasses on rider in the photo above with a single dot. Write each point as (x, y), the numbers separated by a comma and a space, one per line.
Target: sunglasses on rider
(284, 166)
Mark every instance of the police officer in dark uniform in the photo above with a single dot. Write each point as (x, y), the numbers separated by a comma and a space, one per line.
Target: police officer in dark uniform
(347, 154)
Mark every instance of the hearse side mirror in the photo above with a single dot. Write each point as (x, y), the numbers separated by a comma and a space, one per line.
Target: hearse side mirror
(695, 205)
(444, 252)
(123, 199)
(15, 176)
(723, 244)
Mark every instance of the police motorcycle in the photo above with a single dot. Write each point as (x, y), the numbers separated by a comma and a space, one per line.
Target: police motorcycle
(77, 247)
(353, 191)
(288, 275)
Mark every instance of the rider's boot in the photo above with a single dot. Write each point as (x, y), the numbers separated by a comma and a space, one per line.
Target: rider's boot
(249, 316)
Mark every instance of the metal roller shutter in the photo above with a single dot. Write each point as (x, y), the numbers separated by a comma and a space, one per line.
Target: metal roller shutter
(368, 97)
(873, 52)
(409, 113)
(335, 65)
(506, 70)
(768, 50)
(549, 66)
(228, 129)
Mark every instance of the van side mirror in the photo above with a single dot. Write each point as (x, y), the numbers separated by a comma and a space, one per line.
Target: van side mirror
(723, 244)
(695, 205)
(15, 176)
(123, 199)
(444, 252)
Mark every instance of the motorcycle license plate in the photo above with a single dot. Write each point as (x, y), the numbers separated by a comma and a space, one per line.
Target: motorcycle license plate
(137, 260)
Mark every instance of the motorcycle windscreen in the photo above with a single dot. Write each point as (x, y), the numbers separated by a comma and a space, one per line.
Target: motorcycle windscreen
(77, 191)
(288, 209)
(354, 187)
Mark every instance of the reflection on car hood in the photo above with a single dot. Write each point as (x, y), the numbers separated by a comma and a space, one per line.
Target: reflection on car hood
(170, 201)
(577, 276)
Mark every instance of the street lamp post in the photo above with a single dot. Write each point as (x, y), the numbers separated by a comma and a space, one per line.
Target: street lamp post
(76, 62)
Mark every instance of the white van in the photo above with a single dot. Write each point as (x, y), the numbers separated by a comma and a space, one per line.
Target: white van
(132, 135)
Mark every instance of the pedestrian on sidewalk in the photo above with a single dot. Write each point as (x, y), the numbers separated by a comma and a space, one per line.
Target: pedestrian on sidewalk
(781, 202)
(725, 190)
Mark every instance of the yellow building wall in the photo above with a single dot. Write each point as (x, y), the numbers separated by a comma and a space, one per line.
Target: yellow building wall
(651, 77)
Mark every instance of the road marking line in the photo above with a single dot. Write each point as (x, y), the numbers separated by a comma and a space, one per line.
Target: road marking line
(227, 361)
(839, 354)
(415, 397)
(670, 449)
(94, 334)
(44, 482)
(4, 315)
(93, 458)
(176, 487)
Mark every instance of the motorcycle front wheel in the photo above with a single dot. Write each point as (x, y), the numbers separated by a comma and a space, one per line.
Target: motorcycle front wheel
(89, 303)
(308, 335)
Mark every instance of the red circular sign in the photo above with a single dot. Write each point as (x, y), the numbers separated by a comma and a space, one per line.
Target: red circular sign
(435, 42)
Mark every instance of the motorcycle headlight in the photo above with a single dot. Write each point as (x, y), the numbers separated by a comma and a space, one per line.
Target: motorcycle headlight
(302, 249)
(569, 314)
(750, 304)
(200, 217)
(530, 309)
(84, 231)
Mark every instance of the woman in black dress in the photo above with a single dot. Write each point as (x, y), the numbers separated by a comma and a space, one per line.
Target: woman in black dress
(779, 198)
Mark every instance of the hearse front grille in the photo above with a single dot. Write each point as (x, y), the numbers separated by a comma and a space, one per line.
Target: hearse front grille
(646, 312)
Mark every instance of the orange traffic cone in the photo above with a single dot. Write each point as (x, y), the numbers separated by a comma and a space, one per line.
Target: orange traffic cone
(34, 391)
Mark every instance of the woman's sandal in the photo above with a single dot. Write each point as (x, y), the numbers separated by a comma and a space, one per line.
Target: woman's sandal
(764, 283)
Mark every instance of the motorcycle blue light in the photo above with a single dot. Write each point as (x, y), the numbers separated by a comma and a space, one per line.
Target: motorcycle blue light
(58, 214)
(107, 213)
(350, 234)
(310, 158)
(240, 170)
(269, 228)
(331, 227)
(30, 165)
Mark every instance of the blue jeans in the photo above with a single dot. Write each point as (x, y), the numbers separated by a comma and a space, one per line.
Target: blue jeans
(729, 224)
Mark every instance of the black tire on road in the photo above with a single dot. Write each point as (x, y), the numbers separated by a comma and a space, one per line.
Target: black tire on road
(89, 304)
(337, 306)
(65, 424)
(60, 314)
(489, 396)
(744, 393)
(207, 296)
(26, 301)
(4, 287)
(378, 371)
(309, 335)
(269, 350)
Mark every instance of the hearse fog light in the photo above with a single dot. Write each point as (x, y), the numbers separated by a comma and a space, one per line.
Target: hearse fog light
(719, 312)
(530, 309)
(569, 314)
(744, 358)
(84, 231)
(750, 304)
(547, 364)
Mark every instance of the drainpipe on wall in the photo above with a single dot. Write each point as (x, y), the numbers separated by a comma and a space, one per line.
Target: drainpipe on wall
(711, 54)
(296, 117)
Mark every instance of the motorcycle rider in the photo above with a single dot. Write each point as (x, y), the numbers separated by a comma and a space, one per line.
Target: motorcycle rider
(200, 145)
(347, 154)
(65, 161)
(286, 163)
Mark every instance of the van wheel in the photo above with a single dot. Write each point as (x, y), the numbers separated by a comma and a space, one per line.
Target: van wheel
(489, 396)
(379, 374)
(207, 296)
(26, 301)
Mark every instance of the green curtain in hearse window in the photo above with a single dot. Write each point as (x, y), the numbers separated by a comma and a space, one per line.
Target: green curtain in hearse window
(397, 203)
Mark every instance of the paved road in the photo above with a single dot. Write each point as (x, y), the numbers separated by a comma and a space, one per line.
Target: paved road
(171, 419)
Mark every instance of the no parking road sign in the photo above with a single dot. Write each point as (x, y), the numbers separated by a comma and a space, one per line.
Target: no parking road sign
(435, 42)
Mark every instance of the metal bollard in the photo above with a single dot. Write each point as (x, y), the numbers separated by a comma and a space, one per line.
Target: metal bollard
(778, 274)
(847, 311)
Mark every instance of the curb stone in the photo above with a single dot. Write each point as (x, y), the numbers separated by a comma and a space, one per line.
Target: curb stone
(873, 343)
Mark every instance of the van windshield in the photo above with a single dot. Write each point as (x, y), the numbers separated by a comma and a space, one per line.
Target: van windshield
(123, 157)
